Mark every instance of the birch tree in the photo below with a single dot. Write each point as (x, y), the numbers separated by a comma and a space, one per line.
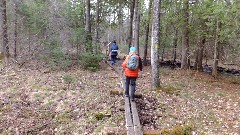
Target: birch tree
(147, 33)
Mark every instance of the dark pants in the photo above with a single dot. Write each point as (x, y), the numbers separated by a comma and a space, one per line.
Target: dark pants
(113, 58)
(130, 81)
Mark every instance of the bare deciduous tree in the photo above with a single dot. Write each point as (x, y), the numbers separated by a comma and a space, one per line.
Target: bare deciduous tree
(147, 33)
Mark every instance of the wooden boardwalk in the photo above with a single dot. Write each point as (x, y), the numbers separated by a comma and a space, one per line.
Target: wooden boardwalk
(131, 115)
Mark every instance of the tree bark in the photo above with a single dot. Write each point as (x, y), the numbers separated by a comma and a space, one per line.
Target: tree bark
(199, 55)
(131, 25)
(136, 27)
(200, 48)
(120, 22)
(5, 34)
(88, 27)
(97, 26)
(155, 45)
(97, 21)
(216, 53)
(15, 31)
(185, 40)
(88, 24)
(175, 45)
(147, 33)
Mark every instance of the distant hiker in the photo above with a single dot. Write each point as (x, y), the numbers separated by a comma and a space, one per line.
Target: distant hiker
(131, 65)
(114, 52)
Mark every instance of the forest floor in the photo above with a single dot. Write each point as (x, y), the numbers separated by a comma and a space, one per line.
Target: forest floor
(37, 100)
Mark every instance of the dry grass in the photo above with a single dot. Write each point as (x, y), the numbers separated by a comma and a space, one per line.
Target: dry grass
(211, 106)
(38, 102)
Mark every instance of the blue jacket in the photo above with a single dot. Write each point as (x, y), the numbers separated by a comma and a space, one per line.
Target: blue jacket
(114, 49)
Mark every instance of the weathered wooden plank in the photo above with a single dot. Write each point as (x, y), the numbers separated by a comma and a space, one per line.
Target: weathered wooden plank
(138, 131)
(130, 131)
(128, 117)
(136, 121)
(128, 114)
(117, 69)
(131, 115)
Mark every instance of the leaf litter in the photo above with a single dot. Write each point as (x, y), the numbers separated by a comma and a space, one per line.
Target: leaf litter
(33, 101)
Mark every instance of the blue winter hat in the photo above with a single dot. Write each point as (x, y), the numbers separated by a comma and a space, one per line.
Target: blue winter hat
(132, 49)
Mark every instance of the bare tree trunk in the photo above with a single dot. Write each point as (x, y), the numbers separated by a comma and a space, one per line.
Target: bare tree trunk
(88, 27)
(120, 22)
(147, 33)
(216, 53)
(1, 29)
(5, 34)
(97, 26)
(131, 25)
(200, 48)
(155, 44)
(199, 55)
(97, 21)
(136, 27)
(175, 45)
(185, 40)
(83, 11)
(88, 24)
(15, 31)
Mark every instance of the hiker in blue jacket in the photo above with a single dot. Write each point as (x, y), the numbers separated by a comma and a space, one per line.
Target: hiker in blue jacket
(114, 52)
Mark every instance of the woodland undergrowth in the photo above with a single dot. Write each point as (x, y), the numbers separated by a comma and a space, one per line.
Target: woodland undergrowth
(78, 101)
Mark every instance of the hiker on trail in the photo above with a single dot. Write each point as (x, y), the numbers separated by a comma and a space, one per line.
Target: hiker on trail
(131, 65)
(114, 52)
